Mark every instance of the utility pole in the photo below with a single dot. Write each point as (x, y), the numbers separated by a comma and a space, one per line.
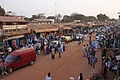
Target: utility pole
(3, 4)
(55, 12)
(119, 15)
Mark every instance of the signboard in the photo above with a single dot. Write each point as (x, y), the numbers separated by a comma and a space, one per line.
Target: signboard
(1, 32)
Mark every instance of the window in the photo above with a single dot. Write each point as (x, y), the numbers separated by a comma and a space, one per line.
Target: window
(14, 30)
(9, 58)
(18, 58)
(26, 29)
(10, 30)
(6, 31)
(18, 29)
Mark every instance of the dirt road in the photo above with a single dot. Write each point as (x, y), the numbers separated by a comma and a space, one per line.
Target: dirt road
(71, 64)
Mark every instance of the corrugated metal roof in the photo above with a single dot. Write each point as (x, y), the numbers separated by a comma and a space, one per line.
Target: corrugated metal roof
(10, 19)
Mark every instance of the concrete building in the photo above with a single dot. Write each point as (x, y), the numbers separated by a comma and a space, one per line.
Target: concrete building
(42, 21)
(12, 27)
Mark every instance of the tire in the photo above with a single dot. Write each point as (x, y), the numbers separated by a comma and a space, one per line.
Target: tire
(31, 63)
(10, 70)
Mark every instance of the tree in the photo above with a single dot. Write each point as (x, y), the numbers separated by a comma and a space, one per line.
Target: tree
(80, 17)
(2, 11)
(58, 18)
(102, 17)
(113, 19)
(51, 17)
(39, 16)
(34, 17)
(27, 19)
(91, 19)
(67, 18)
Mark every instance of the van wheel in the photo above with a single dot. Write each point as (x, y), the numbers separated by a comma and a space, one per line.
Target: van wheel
(10, 70)
(31, 63)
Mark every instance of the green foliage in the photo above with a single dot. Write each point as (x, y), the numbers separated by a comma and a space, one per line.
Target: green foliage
(51, 17)
(79, 17)
(39, 16)
(91, 18)
(2, 11)
(58, 18)
(67, 18)
(102, 17)
(27, 19)
(76, 16)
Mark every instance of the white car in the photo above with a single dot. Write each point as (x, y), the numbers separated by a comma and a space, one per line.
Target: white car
(79, 35)
(54, 44)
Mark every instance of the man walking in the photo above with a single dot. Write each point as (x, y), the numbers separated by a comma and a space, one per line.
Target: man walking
(83, 51)
(79, 41)
(80, 77)
(59, 50)
(48, 77)
(61, 46)
(53, 53)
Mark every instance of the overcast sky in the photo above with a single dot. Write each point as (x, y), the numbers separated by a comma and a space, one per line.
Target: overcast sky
(86, 7)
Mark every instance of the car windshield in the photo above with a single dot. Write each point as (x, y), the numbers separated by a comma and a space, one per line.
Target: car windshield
(53, 43)
(9, 58)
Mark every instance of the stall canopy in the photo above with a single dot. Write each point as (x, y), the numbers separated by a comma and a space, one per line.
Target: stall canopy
(15, 37)
(45, 30)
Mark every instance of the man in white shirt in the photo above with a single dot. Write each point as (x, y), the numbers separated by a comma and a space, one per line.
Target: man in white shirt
(9, 49)
(61, 46)
(48, 77)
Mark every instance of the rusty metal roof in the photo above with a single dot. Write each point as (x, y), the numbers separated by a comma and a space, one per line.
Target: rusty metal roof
(10, 19)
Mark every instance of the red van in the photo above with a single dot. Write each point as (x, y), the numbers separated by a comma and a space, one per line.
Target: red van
(20, 58)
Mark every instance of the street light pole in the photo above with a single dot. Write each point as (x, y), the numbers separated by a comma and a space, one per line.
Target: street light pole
(119, 15)
(3, 4)
(55, 12)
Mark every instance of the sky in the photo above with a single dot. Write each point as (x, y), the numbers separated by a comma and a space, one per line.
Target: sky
(63, 7)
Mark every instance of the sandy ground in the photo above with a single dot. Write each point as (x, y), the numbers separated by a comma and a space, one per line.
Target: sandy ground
(70, 64)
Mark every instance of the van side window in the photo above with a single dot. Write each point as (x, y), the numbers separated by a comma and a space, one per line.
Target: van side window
(18, 58)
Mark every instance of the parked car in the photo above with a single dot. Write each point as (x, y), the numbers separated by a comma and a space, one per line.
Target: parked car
(67, 38)
(78, 35)
(54, 44)
(19, 58)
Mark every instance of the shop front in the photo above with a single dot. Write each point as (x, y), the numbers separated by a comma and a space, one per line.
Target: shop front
(15, 42)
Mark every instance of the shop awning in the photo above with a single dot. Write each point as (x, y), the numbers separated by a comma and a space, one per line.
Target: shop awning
(15, 37)
(45, 30)
(67, 28)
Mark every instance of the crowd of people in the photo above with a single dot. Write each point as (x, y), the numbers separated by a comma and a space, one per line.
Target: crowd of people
(108, 40)
(110, 45)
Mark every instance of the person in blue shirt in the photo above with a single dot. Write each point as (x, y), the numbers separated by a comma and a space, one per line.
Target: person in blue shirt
(94, 43)
(90, 42)
(101, 44)
(59, 51)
